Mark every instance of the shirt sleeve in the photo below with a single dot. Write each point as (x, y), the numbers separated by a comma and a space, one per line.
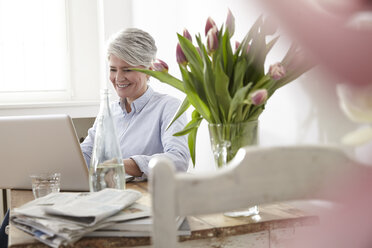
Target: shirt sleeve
(87, 145)
(175, 147)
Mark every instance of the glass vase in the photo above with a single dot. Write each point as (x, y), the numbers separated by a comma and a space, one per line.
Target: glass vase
(226, 140)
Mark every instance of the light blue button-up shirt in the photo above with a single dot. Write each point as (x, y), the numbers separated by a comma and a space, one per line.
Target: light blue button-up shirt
(142, 133)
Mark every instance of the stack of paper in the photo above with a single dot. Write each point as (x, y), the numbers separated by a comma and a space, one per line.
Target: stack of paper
(63, 218)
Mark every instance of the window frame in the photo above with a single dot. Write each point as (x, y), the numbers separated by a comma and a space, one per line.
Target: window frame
(83, 70)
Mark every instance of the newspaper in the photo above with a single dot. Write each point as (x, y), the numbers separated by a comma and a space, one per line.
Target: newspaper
(63, 218)
(138, 228)
(139, 224)
(134, 211)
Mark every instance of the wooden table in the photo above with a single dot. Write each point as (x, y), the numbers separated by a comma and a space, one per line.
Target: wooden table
(275, 223)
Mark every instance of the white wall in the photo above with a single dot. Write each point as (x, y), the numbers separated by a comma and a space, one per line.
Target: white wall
(305, 111)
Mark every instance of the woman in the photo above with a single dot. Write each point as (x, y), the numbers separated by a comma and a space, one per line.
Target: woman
(142, 115)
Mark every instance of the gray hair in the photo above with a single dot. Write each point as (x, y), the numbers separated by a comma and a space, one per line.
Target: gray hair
(134, 46)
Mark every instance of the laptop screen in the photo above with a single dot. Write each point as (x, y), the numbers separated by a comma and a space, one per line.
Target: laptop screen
(40, 144)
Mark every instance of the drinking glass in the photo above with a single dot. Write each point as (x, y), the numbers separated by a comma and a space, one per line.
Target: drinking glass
(45, 183)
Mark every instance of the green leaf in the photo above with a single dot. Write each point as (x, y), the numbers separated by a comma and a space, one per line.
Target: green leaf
(191, 141)
(251, 33)
(227, 55)
(198, 86)
(270, 45)
(290, 53)
(191, 128)
(190, 50)
(255, 112)
(258, 51)
(209, 83)
(222, 90)
(290, 77)
(249, 72)
(239, 72)
(203, 50)
(196, 76)
(255, 27)
(194, 123)
(256, 54)
(182, 108)
(263, 82)
(238, 100)
(193, 57)
(193, 97)
(164, 77)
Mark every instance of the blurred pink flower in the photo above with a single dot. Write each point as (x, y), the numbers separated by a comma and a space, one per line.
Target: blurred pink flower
(237, 44)
(160, 65)
(180, 56)
(212, 39)
(269, 26)
(346, 53)
(330, 36)
(210, 24)
(277, 71)
(230, 23)
(187, 35)
(259, 97)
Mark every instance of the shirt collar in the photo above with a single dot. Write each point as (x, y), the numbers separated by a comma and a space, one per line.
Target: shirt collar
(138, 104)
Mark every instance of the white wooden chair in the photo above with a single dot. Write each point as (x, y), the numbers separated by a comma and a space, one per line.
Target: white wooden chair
(255, 176)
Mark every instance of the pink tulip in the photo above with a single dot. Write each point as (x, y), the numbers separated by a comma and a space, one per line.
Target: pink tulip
(277, 71)
(210, 24)
(187, 35)
(160, 65)
(259, 97)
(230, 23)
(212, 39)
(181, 58)
(344, 51)
(237, 44)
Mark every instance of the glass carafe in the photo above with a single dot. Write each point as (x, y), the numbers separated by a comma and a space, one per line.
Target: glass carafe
(106, 165)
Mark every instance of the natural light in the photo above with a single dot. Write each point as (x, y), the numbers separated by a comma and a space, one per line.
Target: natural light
(33, 50)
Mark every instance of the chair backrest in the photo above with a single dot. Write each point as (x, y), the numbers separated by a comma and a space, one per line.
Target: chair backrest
(256, 175)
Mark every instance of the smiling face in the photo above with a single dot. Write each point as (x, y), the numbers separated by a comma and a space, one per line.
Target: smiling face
(128, 84)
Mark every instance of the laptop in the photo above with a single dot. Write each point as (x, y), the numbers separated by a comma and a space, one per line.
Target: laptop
(41, 144)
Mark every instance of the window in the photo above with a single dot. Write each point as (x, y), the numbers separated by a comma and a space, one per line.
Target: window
(33, 51)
